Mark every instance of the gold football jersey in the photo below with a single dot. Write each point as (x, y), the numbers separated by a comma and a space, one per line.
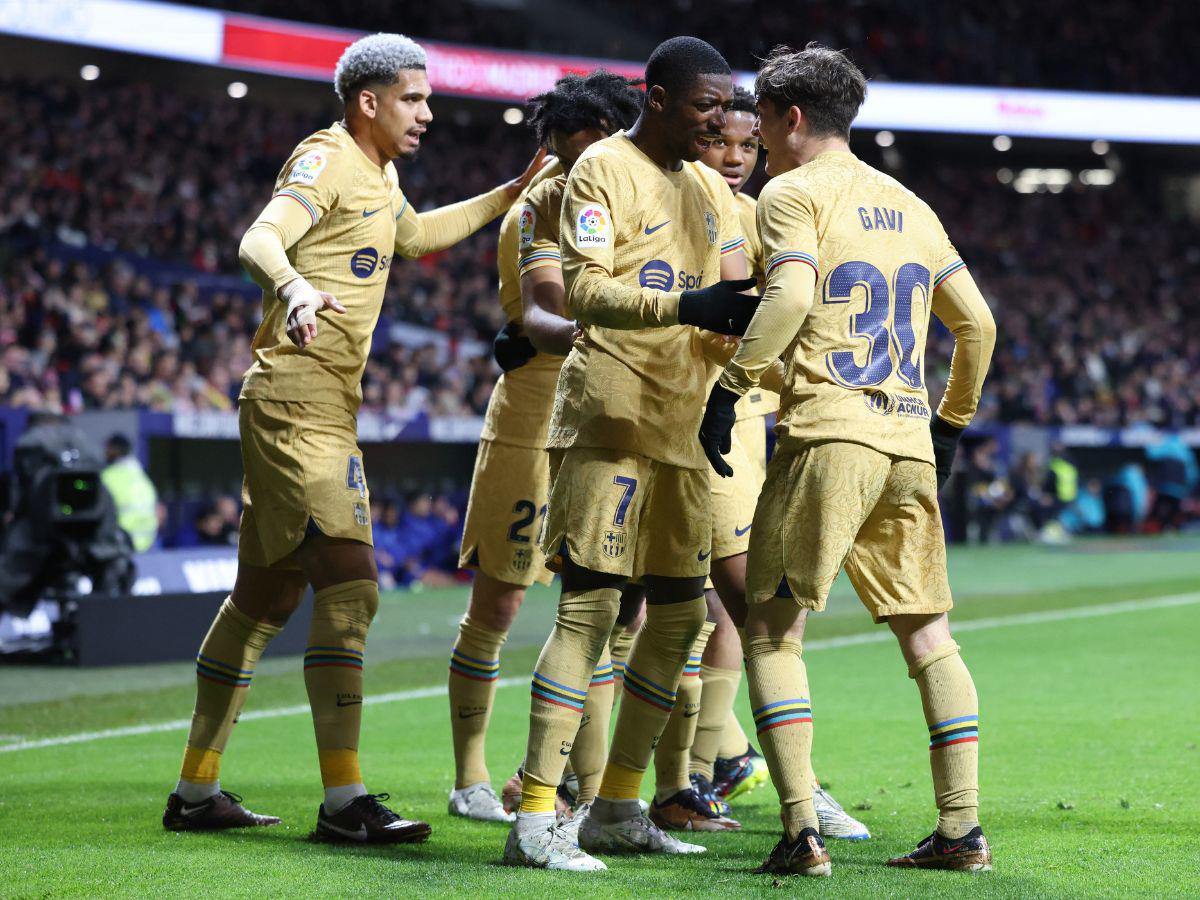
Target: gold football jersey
(856, 364)
(651, 231)
(760, 401)
(348, 220)
(519, 411)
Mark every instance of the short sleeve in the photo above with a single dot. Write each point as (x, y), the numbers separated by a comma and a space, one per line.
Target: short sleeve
(948, 262)
(787, 225)
(733, 238)
(311, 177)
(538, 228)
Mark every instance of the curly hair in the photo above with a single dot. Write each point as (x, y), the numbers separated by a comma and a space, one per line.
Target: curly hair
(375, 59)
(743, 101)
(599, 100)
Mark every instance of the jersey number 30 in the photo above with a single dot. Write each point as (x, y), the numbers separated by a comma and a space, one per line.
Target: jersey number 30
(871, 325)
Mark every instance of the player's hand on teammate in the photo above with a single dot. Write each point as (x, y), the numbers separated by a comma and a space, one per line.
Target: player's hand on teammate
(518, 184)
(945, 445)
(304, 301)
(721, 307)
(716, 428)
(511, 349)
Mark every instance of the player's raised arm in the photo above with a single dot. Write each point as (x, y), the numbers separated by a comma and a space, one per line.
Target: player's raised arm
(543, 296)
(418, 234)
(960, 306)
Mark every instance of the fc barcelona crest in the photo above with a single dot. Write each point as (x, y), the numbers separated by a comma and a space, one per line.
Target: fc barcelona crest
(614, 544)
(710, 225)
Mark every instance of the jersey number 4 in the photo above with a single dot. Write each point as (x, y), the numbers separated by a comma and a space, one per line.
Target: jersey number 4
(871, 325)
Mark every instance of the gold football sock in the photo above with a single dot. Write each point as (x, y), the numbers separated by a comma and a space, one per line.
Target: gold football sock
(591, 743)
(652, 675)
(474, 669)
(952, 713)
(619, 644)
(224, 667)
(782, 712)
(718, 689)
(734, 742)
(333, 675)
(559, 690)
(671, 756)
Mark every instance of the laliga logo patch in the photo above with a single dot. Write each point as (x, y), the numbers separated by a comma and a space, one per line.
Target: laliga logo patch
(592, 228)
(710, 227)
(525, 225)
(656, 274)
(307, 168)
(363, 262)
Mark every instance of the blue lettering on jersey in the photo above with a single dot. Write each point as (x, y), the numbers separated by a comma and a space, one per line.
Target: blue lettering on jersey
(656, 274)
(363, 262)
(686, 282)
(881, 219)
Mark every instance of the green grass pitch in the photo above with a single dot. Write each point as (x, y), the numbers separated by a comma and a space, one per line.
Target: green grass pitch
(1085, 659)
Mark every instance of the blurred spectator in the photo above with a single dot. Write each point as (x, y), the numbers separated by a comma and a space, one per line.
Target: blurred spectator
(989, 494)
(1085, 514)
(132, 491)
(1173, 475)
(217, 523)
(1126, 499)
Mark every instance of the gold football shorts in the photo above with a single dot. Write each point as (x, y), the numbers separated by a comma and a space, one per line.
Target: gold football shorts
(301, 462)
(626, 514)
(734, 498)
(837, 504)
(504, 514)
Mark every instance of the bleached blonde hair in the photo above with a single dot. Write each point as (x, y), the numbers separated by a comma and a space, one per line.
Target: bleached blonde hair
(375, 59)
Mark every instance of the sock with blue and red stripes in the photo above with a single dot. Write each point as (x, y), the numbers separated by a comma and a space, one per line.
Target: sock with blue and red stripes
(652, 676)
(779, 701)
(224, 667)
(474, 670)
(591, 742)
(952, 714)
(559, 690)
(333, 675)
(672, 756)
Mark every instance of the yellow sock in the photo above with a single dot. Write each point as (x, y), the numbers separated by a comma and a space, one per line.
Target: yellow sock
(591, 742)
(783, 716)
(474, 670)
(621, 782)
(718, 689)
(333, 675)
(673, 753)
(652, 675)
(562, 677)
(224, 667)
(952, 713)
(537, 797)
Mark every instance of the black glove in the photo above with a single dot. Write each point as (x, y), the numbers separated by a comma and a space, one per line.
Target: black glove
(720, 307)
(945, 444)
(716, 427)
(511, 349)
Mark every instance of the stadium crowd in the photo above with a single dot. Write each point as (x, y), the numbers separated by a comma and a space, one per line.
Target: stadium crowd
(119, 284)
(1117, 46)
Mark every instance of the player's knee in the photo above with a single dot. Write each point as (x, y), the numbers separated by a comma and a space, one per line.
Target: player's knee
(633, 605)
(347, 609)
(660, 590)
(268, 595)
(588, 616)
(494, 604)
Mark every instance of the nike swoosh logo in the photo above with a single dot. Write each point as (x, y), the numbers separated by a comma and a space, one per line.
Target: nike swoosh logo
(740, 531)
(368, 213)
(688, 715)
(471, 715)
(349, 703)
(650, 230)
(186, 810)
(360, 835)
(701, 557)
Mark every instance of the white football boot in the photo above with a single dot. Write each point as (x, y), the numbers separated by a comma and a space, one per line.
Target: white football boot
(536, 841)
(622, 827)
(834, 821)
(479, 802)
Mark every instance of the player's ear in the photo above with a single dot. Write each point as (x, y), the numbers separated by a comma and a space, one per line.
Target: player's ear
(368, 103)
(794, 117)
(656, 98)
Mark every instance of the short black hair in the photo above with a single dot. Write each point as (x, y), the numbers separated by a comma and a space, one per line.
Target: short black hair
(827, 87)
(677, 62)
(743, 101)
(599, 100)
(120, 444)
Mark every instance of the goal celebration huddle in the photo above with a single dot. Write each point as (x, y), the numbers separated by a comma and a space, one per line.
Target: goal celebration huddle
(657, 316)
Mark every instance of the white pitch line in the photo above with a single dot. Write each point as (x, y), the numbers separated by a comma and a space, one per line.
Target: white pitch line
(852, 640)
